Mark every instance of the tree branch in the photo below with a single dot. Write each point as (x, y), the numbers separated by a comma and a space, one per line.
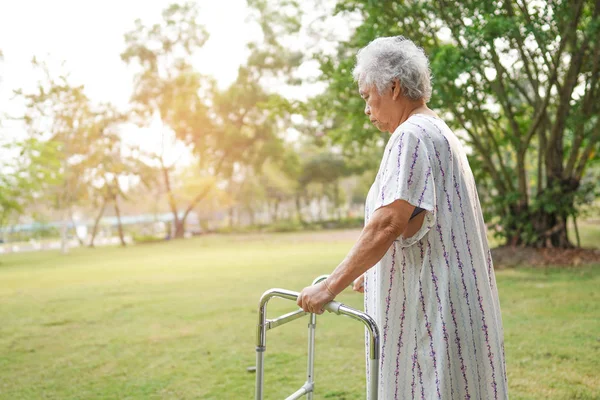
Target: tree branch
(172, 202)
(522, 90)
(482, 150)
(539, 41)
(555, 143)
(486, 128)
(195, 201)
(552, 80)
(587, 152)
(503, 93)
(587, 108)
(204, 193)
(521, 46)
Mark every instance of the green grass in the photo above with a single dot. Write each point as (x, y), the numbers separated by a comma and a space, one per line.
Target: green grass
(177, 321)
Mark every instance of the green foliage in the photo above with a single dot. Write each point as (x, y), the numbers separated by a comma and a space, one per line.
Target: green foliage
(143, 239)
(36, 170)
(58, 118)
(284, 226)
(516, 79)
(323, 168)
(10, 193)
(271, 58)
(228, 130)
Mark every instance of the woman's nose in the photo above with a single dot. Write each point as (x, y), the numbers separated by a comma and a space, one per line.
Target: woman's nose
(367, 110)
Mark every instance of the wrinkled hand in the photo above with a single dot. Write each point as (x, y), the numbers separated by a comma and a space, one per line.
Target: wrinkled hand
(359, 284)
(313, 298)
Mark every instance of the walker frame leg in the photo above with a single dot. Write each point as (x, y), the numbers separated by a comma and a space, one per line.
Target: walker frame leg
(310, 374)
(334, 307)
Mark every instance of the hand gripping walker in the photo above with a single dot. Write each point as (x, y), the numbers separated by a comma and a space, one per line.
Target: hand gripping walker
(265, 324)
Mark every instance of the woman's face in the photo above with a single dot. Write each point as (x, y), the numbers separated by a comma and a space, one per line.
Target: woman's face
(380, 108)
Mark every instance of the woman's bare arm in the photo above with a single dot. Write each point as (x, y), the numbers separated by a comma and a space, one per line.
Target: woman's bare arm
(385, 225)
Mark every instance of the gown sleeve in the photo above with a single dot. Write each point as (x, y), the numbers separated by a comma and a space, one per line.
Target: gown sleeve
(407, 174)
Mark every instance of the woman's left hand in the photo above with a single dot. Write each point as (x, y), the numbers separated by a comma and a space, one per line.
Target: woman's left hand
(312, 299)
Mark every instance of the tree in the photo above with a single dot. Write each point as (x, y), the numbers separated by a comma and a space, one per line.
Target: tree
(277, 186)
(239, 125)
(248, 193)
(58, 119)
(324, 169)
(10, 194)
(166, 83)
(74, 155)
(518, 78)
(16, 188)
(109, 163)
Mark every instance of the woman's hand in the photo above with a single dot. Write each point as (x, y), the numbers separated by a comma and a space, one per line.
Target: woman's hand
(359, 284)
(312, 299)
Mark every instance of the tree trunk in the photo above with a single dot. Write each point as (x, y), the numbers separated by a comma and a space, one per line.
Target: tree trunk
(179, 228)
(514, 215)
(552, 226)
(574, 216)
(178, 224)
(550, 229)
(97, 222)
(119, 225)
(552, 232)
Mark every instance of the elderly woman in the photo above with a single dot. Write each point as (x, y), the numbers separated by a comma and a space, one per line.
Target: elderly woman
(422, 256)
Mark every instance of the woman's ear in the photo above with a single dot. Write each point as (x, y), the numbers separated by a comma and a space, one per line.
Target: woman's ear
(396, 89)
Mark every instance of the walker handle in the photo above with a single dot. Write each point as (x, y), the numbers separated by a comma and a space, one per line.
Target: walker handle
(333, 307)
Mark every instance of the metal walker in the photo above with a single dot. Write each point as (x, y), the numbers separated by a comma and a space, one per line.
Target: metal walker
(265, 324)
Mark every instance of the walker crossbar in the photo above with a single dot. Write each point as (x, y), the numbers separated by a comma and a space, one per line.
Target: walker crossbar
(265, 324)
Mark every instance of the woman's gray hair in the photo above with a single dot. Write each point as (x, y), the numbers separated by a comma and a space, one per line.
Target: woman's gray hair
(388, 58)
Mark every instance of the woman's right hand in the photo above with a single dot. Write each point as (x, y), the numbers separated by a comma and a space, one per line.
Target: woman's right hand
(359, 284)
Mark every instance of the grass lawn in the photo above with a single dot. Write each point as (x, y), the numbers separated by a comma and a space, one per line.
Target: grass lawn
(177, 321)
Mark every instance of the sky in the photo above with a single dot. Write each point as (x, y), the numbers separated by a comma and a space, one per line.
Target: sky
(89, 37)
